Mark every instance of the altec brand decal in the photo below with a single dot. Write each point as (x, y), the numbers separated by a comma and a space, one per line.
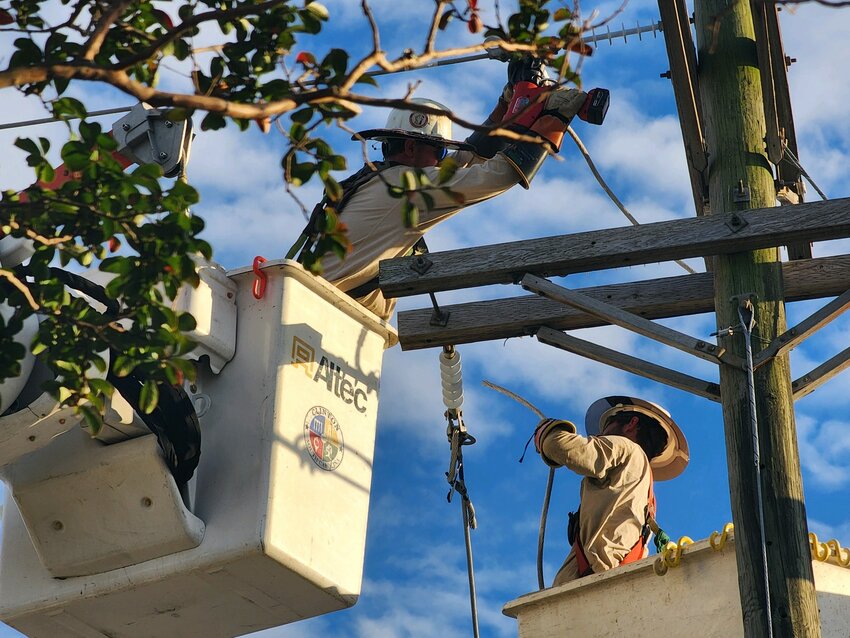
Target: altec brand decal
(346, 387)
(323, 437)
(340, 385)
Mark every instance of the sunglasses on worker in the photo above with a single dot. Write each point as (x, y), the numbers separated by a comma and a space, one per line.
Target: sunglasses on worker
(442, 151)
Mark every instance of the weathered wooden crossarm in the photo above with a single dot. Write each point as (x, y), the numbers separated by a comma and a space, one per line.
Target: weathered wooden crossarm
(628, 363)
(630, 321)
(811, 381)
(654, 299)
(792, 337)
(615, 247)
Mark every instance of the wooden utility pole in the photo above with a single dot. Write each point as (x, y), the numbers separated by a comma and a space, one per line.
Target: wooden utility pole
(740, 178)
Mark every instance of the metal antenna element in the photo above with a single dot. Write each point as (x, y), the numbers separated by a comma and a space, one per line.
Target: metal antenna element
(608, 36)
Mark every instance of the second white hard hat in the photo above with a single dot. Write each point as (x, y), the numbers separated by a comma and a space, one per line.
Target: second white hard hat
(672, 460)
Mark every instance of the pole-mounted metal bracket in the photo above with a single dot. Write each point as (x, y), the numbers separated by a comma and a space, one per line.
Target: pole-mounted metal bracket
(440, 317)
(741, 193)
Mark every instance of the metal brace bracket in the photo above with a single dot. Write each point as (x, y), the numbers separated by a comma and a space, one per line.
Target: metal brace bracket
(741, 193)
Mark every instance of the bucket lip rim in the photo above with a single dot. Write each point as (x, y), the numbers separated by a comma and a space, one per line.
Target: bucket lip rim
(328, 291)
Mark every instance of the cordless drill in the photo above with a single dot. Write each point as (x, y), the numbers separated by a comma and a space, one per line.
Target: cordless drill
(529, 79)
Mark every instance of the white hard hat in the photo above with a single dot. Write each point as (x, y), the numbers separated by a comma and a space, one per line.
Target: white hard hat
(416, 125)
(672, 460)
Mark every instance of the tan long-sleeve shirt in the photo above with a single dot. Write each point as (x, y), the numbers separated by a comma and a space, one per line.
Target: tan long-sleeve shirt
(614, 496)
(376, 227)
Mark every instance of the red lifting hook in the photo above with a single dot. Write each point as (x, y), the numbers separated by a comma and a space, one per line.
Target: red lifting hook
(262, 278)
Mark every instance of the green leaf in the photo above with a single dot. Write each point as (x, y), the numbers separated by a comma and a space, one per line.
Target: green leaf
(409, 214)
(148, 397)
(302, 116)
(101, 386)
(333, 189)
(26, 144)
(123, 366)
(92, 418)
(178, 114)
(366, 79)
(44, 173)
(448, 167)
(336, 59)
(429, 201)
(408, 180)
(319, 10)
(186, 322)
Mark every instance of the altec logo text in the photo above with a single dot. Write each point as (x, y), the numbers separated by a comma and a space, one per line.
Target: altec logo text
(338, 383)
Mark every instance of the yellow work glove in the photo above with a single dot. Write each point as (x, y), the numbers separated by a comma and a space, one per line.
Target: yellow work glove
(546, 427)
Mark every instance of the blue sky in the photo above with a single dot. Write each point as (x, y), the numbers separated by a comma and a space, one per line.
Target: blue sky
(415, 575)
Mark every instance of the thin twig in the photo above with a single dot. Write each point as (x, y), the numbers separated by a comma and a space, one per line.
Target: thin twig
(21, 286)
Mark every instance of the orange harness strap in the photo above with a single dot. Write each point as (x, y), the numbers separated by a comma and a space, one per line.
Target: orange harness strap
(636, 552)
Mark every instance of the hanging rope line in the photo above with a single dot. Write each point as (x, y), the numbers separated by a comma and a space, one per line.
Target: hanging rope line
(544, 513)
(586, 154)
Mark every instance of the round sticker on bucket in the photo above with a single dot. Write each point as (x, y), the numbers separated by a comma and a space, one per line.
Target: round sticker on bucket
(323, 437)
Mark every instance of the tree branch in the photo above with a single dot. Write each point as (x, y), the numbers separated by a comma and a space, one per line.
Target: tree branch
(21, 286)
(194, 21)
(435, 22)
(92, 47)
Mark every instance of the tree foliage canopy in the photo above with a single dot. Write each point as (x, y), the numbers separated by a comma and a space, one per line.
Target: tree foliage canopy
(137, 227)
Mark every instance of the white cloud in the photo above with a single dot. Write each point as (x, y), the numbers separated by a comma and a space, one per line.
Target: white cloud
(824, 450)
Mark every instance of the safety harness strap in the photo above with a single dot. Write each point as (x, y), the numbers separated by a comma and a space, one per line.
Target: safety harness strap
(636, 552)
(349, 186)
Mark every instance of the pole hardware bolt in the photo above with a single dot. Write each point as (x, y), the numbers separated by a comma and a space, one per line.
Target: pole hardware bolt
(421, 264)
(125, 127)
(741, 193)
(666, 74)
(735, 222)
(163, 155)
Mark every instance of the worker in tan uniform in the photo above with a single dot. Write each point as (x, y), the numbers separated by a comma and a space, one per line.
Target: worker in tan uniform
(487, 166)
(630, 444)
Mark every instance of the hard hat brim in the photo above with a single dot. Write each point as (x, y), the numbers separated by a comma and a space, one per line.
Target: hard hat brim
(383, 134)
(673, 458)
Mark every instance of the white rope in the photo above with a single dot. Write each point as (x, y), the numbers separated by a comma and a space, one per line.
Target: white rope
(614, 198)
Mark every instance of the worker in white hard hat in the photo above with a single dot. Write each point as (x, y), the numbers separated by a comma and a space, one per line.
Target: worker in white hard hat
(488, 166)
(630, 444)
